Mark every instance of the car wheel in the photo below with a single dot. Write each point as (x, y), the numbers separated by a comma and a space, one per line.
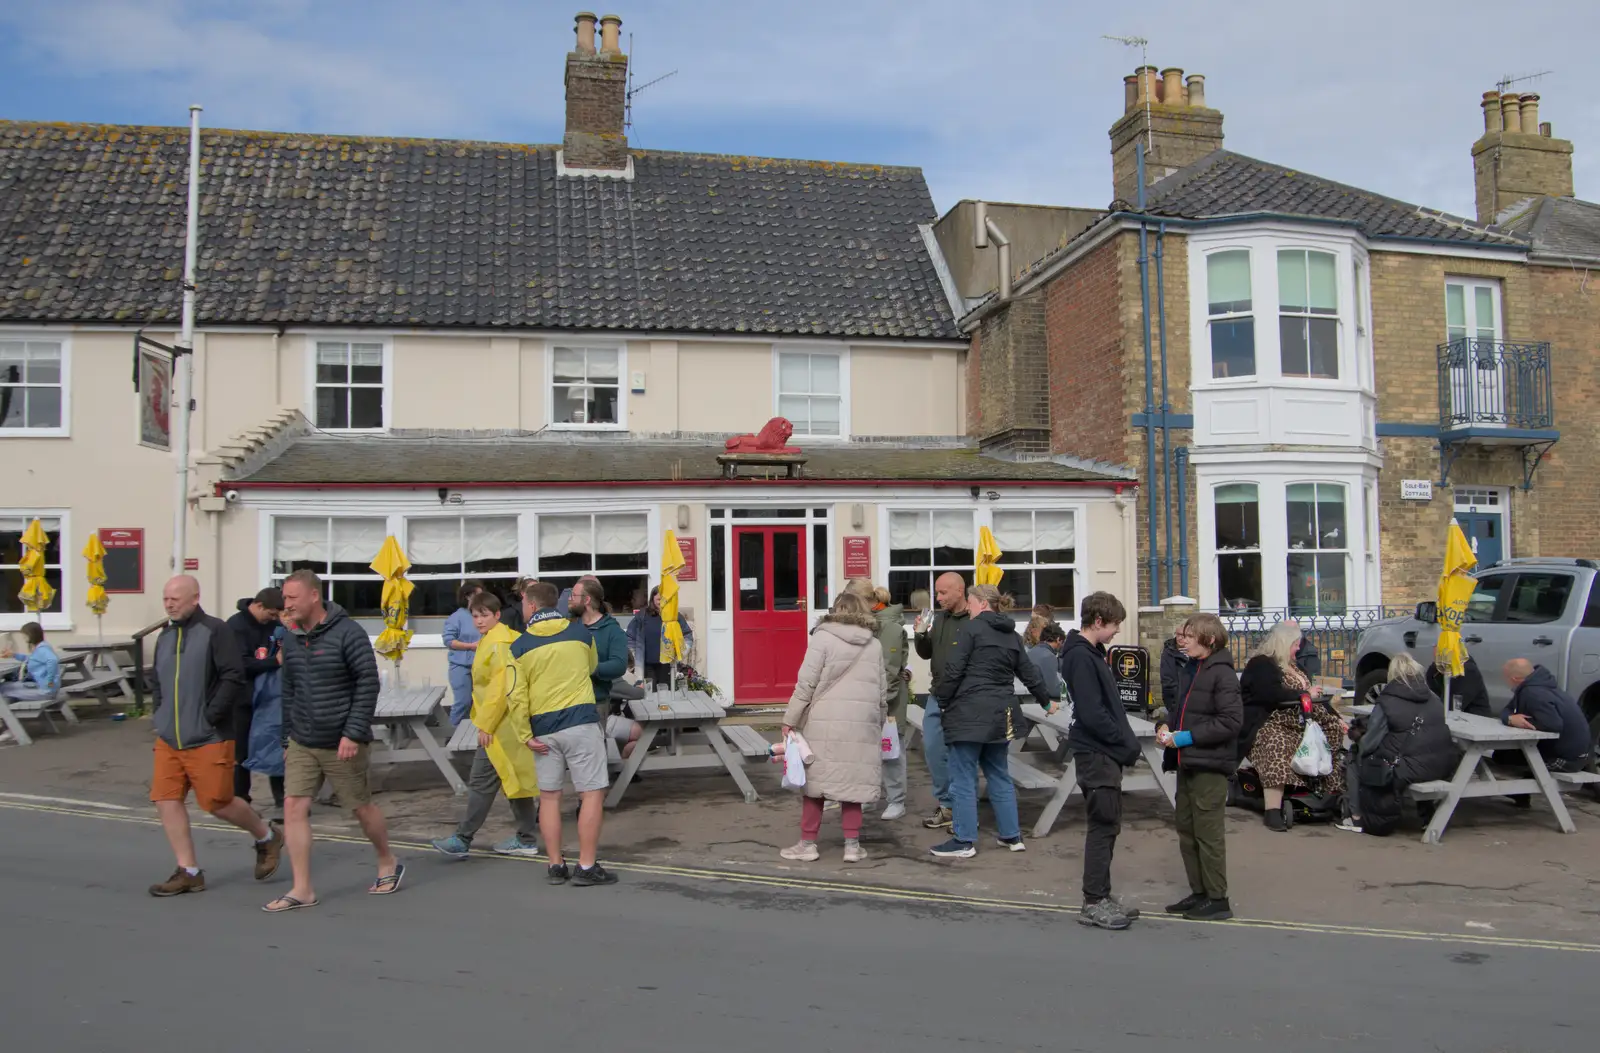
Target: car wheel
(1368, 686)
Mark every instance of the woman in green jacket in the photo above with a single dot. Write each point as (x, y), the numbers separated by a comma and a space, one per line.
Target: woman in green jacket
(896, 647)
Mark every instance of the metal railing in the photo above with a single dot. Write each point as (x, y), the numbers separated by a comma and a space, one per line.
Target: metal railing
(1494, 384)
(1333, 635)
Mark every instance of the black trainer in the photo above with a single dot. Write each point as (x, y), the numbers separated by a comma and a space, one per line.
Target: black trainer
(1210, 910)
(1187, 903)
(558, 873)
(595, 875)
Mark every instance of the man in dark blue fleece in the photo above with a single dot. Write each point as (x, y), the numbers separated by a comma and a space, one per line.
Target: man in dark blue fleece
(1538, 704)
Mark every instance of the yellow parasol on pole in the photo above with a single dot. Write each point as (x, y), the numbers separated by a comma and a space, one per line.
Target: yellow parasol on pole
(1455, 590)
(95, 573)
(391, 564)
(37, 594)
(671, 562)
(988, 571)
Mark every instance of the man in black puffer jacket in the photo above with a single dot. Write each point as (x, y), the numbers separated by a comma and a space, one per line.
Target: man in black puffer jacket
(330, 690)
(1102, 744)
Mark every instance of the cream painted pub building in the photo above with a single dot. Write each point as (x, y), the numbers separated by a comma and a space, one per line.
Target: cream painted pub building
(518, 360)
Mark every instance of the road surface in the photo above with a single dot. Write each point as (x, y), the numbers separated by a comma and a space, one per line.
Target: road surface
(484, 955)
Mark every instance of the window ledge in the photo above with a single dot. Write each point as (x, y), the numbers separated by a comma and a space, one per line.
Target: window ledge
(58, 623)
(588, 427)
(35, 433)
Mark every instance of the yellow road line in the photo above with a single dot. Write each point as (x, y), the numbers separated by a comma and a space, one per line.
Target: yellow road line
(919, 896)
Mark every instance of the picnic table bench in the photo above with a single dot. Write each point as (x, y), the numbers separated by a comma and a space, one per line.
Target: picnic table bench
(405, 712)
(101, 670)
(14, 712)
(1066, 784)
(687, 718)
(1479, 736)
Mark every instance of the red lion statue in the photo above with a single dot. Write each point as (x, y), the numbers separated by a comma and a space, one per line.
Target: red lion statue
(772, 438)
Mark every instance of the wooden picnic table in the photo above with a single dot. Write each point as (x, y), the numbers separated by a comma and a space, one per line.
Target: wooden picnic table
(12, 712)
(1479, 736)
(102, 656)
(687, 718)
(405, 712)
(1066, 784)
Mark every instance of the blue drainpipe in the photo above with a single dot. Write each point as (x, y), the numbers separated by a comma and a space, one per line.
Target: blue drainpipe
(1166, 407)
(1181, 455)
(1152, 564)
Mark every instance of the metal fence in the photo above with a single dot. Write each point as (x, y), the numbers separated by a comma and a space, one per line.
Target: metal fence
(1333, 635)
(1493, 383)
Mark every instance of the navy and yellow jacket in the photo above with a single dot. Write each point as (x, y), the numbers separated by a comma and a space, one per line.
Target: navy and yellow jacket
(550, 668)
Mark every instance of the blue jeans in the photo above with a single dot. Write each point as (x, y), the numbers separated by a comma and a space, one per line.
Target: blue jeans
(965, 759)
(460, 692)
(934, 752)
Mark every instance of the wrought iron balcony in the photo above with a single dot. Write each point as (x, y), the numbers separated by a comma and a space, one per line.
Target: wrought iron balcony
(1492, 387)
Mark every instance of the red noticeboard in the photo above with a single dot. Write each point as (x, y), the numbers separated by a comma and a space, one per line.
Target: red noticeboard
(858, 557)
(691, 559)
(191, 563)
(124, 560)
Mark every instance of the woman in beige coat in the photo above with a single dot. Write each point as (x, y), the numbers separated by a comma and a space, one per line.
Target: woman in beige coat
(838, 706)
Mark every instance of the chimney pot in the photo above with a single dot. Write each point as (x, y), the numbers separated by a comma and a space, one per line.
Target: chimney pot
(1511, 111)
(610, 31)
(1148, 81)
(1197, 91)
(1172, 87)
(1491, 112)
(585, 31)
(1545, 129)
(1530, 114)
(1130, 92)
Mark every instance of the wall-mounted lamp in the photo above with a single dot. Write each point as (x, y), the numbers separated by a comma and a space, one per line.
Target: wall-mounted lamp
(858, 516)
(444, 494)
(683, 517)
(975, 492)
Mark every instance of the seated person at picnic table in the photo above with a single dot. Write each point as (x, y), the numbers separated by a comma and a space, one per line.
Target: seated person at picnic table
(41, 668)
(1468, 692)
(1405, 740)
(1538, 704)
(1046, 655)
(1279, 700)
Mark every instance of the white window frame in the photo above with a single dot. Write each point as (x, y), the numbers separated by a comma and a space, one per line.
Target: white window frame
(1217, 554)
(388, 379)
(1254, 314)
(460, 519)
(64, 342)
(623, 386)
(59, 621)
(1469, 286)
(983, 516)
(842, 353)
(270, 547)
(651, 557)
(1307, 315)
(1263, 242)
(1343, 550)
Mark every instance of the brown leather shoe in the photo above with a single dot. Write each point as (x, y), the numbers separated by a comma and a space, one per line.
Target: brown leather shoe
(269, 853)
(180, 882)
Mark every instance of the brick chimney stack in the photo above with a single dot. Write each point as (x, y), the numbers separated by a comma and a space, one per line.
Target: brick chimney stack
(1169, 114)
(597, 97)
(1517, 159)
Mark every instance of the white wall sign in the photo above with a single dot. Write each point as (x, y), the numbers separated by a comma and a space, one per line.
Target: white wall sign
(1416, 489)
(748, 584)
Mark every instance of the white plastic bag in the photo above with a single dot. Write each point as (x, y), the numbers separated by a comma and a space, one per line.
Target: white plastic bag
(794, 764)
(891, 740)
(1313, 759)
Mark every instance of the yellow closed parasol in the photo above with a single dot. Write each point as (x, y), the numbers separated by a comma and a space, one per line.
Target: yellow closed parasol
(1455, 591)
(96, 599)
(988, 571)
(37, 594)
(391, 564)
(671, 562)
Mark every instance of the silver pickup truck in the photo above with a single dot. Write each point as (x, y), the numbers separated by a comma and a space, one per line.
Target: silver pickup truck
(1545, 610)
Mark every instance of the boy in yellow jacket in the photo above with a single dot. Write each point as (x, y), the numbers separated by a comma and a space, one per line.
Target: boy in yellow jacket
(503, 759)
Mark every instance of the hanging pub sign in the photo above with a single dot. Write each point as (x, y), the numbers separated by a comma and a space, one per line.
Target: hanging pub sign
(152, 382)
(1130, 668)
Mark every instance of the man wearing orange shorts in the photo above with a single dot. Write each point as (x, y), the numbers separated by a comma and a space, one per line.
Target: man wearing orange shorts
(198, 681)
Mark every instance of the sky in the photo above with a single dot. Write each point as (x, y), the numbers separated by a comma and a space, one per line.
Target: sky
(999, 102)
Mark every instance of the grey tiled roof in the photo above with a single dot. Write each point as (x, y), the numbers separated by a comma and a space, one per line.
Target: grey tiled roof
(1564, 227)
(340, 230)
(443, 461)
(1224, 183)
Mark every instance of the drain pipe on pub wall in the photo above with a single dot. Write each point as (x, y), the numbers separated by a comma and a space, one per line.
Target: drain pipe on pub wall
(1181, 455)
(1152, 564)
(985, 229)
(1166, 407)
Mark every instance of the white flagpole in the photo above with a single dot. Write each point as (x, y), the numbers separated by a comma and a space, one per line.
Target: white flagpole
(184, 364)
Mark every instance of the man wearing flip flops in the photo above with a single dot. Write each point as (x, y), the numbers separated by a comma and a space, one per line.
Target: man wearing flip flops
(330, 689)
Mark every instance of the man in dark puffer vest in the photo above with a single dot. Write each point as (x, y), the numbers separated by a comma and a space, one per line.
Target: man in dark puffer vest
(330, 690)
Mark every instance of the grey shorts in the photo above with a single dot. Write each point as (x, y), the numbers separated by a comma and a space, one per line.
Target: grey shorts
(579, 751)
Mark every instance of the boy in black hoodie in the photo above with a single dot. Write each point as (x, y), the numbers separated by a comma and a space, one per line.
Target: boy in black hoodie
(1102, 744)
(253, 625)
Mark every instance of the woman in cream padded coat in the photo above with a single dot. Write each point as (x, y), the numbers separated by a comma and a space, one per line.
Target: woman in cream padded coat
(838, 706)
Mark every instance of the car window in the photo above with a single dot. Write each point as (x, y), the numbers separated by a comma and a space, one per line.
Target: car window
(1539, 598)
(1591, 613)
(1485, 598)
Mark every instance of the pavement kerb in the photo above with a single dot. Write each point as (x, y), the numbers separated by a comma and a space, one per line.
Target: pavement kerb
(118, 813)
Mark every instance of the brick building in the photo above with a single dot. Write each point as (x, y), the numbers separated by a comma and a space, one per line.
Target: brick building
(1286, 363)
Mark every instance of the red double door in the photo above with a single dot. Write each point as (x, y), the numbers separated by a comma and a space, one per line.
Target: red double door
(769, 612)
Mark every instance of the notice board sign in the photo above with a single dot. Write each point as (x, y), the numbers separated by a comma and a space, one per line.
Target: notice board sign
(691, 559)
(124, 558)
(858, 557)
(1130, 668)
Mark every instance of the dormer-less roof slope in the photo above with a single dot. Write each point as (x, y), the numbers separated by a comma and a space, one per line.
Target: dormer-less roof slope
(359, 231)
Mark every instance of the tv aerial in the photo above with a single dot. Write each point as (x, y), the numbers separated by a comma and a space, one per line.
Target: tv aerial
(632, 90)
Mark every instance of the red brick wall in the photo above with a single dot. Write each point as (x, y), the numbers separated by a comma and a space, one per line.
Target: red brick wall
(1088, 364)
